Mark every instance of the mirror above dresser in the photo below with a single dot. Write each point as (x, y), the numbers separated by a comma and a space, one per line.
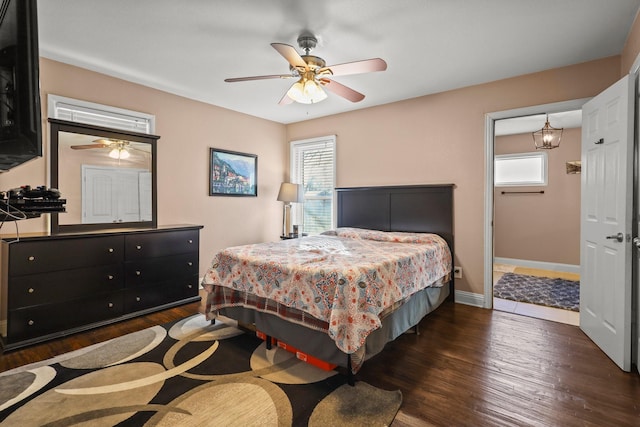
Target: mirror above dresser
(107, 176)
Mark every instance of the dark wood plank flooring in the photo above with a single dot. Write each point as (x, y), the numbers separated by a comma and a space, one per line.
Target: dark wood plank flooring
(475, 367)
(468, 367)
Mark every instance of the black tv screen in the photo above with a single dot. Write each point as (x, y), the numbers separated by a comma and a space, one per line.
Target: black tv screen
(20, 126)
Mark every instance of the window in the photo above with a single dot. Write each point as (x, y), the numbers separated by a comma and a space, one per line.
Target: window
(74, 110)
(522, 169)
(313, 164)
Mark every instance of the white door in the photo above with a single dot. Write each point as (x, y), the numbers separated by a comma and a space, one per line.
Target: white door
(128, 195)
(112, 194)
(636, 282)
(98, 188)
(146, 196)
(606, 220)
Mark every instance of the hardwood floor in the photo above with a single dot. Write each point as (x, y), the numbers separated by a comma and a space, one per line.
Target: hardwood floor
(475, 367)
(468, 367)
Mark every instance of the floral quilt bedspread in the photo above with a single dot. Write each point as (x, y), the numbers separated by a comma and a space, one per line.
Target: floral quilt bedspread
(345, 277)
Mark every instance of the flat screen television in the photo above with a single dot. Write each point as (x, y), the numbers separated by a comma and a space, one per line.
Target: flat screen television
(20, 126)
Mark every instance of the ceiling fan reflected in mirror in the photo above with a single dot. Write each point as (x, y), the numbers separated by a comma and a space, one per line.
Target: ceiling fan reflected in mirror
(118, 148)
(313, 75)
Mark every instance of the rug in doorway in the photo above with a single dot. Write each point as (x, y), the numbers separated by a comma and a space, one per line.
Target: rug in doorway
(557, 293)
(189, 373)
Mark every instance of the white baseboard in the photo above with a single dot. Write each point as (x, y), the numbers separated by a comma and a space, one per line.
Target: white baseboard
(552, 266)
(469, 298)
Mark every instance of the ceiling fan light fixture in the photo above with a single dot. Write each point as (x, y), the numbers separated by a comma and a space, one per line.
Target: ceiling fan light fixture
(307, 92)
(548, 137)
(119, 153)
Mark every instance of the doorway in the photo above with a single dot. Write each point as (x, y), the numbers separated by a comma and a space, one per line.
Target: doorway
(532, 240)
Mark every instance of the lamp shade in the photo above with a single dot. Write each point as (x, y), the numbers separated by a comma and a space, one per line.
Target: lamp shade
(291, 193)
(307, 92)
(119, 153)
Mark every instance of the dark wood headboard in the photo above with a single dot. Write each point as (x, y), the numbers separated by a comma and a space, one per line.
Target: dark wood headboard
(412, 208)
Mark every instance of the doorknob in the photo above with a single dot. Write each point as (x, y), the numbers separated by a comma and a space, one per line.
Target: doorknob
(619, 237)
(636, 241)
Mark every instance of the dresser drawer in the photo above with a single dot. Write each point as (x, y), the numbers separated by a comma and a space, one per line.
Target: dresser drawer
(154, 270)
(30, 257)
(54, 285)
(45, 319)
(144, 297)
(150, 245)
(47, 288)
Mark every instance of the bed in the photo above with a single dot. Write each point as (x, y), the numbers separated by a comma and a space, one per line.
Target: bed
(340, 297)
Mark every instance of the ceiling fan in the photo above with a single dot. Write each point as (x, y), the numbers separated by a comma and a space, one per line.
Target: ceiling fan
(119, 148)
(313, 74)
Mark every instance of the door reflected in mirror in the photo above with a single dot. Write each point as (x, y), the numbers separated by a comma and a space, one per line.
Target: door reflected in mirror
(106, 176)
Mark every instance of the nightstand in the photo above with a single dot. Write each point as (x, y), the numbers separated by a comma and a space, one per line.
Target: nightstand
(292, 237)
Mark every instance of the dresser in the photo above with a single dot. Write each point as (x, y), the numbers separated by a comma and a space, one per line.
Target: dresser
(55, 285)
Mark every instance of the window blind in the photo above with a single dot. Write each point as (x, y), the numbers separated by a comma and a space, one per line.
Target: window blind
(74, 110)
(313, 166)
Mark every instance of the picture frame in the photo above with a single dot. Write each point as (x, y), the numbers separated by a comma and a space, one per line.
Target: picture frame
(232, 173)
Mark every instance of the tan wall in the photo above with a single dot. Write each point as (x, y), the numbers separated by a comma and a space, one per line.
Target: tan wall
(540, 227)
(187, 129)
(631, 48)
(440, 139)
(431, 139)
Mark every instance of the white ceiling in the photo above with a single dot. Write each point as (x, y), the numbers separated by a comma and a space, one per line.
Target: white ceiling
(189, 47)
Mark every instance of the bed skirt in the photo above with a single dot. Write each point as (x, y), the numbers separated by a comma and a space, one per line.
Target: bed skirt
(319, 345)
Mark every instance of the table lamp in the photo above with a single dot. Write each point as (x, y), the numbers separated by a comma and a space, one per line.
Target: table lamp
(289, 193)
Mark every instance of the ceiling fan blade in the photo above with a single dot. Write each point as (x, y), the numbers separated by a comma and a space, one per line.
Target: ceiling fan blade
(83, 147)
(290, 54)
(357, 67)
(285, 100)
(245, 79)
(342, 90)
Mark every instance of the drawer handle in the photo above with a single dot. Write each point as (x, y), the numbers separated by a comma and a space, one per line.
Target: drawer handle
(31, 322)
(31, 258)
(110, 305)
(190, 241)
(31, 290)
(110, 250)
(138, 299)
(190, 264)
(189, 286)
(138, 273)
(110, 276)
(138, 247)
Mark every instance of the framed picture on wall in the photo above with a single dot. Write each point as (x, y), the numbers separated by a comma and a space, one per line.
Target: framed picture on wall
(232, 173)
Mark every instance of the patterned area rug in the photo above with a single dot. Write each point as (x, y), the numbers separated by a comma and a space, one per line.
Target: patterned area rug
(188, 373)
(557, 293)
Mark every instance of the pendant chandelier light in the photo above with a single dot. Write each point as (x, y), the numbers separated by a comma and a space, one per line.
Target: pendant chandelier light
(548, 137)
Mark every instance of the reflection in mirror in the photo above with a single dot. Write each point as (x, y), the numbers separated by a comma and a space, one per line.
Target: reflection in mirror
(107, 177)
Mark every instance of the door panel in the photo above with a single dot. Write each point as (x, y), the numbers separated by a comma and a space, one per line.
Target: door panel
(97, 196)
(606, 212)
(588, 300)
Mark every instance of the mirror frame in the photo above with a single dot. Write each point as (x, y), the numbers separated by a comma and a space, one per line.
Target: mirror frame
(56, 126)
